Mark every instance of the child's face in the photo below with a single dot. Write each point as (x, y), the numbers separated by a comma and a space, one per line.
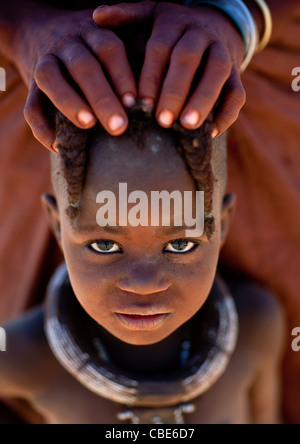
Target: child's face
(139, 283)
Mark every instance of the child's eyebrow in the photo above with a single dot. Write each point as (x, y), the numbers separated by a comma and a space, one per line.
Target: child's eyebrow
(93, 228)
(160, 231)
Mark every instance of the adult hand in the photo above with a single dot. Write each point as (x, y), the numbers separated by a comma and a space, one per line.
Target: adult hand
(185, 42)
(82, 69)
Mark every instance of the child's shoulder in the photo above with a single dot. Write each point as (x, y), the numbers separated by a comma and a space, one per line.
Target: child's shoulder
(26, 357)
(261, 319)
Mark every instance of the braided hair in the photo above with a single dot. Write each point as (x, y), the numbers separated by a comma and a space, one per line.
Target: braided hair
(195, 147)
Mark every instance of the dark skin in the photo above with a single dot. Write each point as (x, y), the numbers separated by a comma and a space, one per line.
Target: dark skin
(40, 39)
(147, 273)
(48, 42)
(248, 392)
(143, 261)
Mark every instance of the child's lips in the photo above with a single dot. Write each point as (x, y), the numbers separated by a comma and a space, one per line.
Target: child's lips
(142, 322)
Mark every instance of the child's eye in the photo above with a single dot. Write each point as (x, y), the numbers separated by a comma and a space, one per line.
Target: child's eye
(105, 247)
(180, 246)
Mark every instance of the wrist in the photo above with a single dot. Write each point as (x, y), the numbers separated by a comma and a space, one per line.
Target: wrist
(222, 22)
(15, 22)
(239, 15)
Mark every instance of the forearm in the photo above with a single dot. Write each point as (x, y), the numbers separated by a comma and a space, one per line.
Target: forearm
(16, 13)
(13, 14)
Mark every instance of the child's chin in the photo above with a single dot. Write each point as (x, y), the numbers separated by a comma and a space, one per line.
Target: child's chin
(141, 338)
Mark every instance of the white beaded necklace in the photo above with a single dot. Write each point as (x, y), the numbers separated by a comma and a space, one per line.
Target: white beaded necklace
(157, 401)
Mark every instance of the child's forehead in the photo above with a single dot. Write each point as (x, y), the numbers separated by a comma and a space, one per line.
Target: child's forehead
(148, 141)
(152, 152)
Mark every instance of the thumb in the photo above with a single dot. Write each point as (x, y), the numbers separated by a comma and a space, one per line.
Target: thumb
(124, 14)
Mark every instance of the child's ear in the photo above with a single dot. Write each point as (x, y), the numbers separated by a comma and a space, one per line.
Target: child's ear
(226, 215)
(50, 204)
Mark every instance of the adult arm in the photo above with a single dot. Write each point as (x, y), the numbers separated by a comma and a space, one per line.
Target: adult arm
(181, 40)
(61, 55)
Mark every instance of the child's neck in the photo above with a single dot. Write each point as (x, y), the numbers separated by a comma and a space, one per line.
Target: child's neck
(146, 360)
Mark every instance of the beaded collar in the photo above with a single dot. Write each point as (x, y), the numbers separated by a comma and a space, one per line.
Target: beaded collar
(72, 337)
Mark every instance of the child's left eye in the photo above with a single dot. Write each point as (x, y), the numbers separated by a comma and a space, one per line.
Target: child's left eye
(180, 246)
(105, 247)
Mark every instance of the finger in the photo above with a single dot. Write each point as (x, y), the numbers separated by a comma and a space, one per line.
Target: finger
(216, 73)
(111, 52)
(37, 119)
(87, 73)
(124, 14)
(157, 57)
(233, 99)
(51, 81)
(185, 61)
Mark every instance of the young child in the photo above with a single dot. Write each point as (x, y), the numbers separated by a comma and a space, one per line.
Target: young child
(138, 326)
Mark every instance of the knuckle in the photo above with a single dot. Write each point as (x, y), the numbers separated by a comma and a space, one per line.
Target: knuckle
(232, 109)
(87, 27)
(235, 99)
(239, 95)
(222, 63)
(29, 113)
(75, 60)
(66, 102)
(183, 19)
(108, 47)
(206, 95)
(230, 114)
(42, 73)
(152, 81)
(186, 56)
(38, 132)
(172, 95)
(33, 121)
(102, 102)
(159, 48)
(205, 30)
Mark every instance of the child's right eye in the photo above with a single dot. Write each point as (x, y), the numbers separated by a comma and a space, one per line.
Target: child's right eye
(105, 247)
(180, 246)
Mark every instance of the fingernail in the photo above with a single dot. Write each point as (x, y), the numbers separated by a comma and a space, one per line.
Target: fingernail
(55, 147)
(191, 118)
(215, 133)
(147, 104)
(85, 117)
(116, 122)
(129, 100)
(166, 118)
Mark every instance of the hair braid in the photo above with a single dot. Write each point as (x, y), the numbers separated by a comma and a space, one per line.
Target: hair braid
(195, 147)
(71, 142)
(197, 150)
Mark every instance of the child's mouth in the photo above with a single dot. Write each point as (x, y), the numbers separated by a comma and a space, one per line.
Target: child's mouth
(142, 322)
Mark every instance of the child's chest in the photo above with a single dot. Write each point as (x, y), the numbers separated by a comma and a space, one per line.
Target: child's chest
(68, 402)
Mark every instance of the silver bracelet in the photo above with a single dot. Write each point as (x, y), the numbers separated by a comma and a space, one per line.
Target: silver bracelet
(238, 12)
(266, 13)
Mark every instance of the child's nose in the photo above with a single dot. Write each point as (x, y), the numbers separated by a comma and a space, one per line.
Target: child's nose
(144, 280)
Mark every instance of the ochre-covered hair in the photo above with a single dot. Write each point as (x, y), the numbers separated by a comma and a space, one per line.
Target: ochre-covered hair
(195, 147)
